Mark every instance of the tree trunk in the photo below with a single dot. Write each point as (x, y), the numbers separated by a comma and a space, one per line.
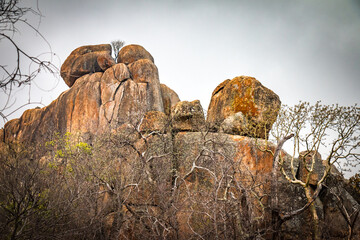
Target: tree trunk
(275, 217)
(316, 232)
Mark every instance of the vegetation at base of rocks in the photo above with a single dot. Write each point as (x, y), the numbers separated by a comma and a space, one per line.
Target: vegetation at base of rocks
(128, 187)
(171, 185)
(67, 146)
(46, 197)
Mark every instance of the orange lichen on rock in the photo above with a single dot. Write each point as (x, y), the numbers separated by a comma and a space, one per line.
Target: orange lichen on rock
(244, 100)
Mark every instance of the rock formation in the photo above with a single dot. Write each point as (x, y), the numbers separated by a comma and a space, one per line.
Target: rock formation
(199, 173)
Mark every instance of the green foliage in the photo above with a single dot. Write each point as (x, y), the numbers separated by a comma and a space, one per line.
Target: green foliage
(84, 147)
(64, 148)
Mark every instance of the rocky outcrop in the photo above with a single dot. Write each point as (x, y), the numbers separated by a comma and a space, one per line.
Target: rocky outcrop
(243, 106)
(84, 60)
(199, 177)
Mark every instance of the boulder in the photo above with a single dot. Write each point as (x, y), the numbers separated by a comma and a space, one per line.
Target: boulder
(84, 60)
(123, 100)
(133, 53)
(169, 98)
(243, 106)
(188, 116)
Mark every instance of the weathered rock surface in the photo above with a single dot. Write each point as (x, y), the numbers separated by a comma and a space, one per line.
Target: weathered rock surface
(188, 116)
(75, 110)
(257, 104)
(111, 79)
(105, 61)
(125, 100)
(145, 73)
(84, 60)
(154, 121)
(133, 53)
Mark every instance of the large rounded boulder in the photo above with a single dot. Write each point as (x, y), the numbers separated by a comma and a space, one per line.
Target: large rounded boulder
(132, 53)
(243, 106)
(84, 60)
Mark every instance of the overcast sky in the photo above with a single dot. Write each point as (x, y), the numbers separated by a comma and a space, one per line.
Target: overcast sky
(305, 50)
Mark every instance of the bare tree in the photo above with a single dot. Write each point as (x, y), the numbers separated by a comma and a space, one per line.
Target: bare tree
(26, 67)
(117, 45)
(334, 130)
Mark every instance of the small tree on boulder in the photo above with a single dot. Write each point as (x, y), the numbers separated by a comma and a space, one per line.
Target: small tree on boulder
(117, 45)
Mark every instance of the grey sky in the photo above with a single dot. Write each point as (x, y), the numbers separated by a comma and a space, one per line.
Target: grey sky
(305, 50)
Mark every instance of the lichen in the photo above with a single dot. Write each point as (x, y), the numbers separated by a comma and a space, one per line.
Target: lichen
(244, 100)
